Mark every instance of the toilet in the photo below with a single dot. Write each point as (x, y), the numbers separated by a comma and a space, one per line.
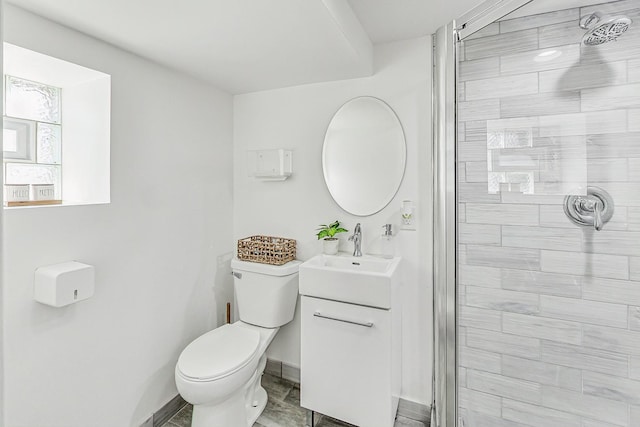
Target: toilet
(220, 372)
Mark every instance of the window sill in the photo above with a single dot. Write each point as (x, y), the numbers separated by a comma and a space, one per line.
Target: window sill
(32, 203)
(49, 204)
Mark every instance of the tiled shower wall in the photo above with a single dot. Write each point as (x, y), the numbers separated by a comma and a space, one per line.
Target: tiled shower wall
(549, 312)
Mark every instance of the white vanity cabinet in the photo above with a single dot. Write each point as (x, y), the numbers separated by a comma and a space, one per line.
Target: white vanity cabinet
(350, 361)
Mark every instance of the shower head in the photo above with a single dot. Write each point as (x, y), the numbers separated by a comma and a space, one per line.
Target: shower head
(603, 29)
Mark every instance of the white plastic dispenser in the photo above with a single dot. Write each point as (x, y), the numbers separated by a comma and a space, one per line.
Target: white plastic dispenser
(63, 284)
(270, 165)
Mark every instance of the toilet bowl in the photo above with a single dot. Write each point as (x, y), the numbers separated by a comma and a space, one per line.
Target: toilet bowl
(220, 371)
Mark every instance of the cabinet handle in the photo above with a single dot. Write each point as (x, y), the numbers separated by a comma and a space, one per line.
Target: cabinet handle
(353, 322)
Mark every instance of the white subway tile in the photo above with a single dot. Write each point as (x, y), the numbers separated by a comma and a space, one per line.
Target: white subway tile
(587, 359)
(479, 318)
(634, 170)
(476, 130)
(479, 234)
(608, 290)
(612, 242)
(502, 300)
(583, 405)
(501, 44)
(516, 197)
(539, 104)
(634, 318)
(462, 176)
(535, 21)
(609, 7)
(499, 385)
(480, 360)
(559, 34)
(541, 238)
(576, 263)
(633, 70)
(484, 109)
(492, 256)
(623, 193)
(462, 377)
(595, 423)
(585, 311)
(542, 283)
(488, 277)
(614, 145)
(535, 415)
(479, 69)
(580, 124)
(478, 419)
(560, 57)
(476, 171)
(462, 212)
(498, 87)
(634, 417)
(610, 387)
(541, 372)
(504, 343)
(476, 192)
(475, 151)
(634, 269)
(617, 340)
(583, 77)
(502, 214)
(611, 97)
(541, 327)
(479, 402)
(634, 367)
(634, 120)
(608, 169)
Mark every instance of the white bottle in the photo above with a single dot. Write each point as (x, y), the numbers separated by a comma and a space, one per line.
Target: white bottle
(388, 245)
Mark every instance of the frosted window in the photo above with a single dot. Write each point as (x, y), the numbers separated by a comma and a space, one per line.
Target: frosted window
(10, 140)
(19, 139)
(31, 100)
(49, 143)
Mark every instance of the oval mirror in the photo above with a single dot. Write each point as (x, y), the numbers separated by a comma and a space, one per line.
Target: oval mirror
(364, 156)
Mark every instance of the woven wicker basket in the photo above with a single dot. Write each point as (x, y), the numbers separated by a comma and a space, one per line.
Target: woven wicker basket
(267, 249)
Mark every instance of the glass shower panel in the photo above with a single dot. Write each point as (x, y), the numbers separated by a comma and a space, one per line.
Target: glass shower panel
(548, 310)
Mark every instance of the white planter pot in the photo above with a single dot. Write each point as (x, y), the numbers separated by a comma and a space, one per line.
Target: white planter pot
(330, 246)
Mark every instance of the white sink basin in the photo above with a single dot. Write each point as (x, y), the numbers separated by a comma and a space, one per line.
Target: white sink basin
(365, 280)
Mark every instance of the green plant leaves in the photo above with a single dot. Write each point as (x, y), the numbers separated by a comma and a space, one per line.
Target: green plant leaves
(330, 230)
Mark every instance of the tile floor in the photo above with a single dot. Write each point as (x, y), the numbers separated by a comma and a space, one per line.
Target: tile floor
(283, 409)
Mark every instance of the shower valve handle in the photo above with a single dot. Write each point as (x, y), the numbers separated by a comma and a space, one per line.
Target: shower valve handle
(592, 205)
(594, 209)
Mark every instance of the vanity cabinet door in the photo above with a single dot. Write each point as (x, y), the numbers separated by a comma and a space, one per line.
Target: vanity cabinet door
(345, 367)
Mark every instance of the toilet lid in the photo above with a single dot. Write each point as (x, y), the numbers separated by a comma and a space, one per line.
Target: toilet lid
(218, 353)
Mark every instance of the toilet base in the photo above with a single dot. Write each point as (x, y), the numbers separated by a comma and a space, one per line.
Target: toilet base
(255, 411)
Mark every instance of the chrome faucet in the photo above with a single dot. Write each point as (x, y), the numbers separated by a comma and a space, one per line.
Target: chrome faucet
(356, 238)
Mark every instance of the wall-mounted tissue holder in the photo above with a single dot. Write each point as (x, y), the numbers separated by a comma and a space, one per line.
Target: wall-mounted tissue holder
(270, 165)
(63, 284)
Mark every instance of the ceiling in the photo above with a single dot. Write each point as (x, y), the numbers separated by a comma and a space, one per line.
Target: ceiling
(250, 45)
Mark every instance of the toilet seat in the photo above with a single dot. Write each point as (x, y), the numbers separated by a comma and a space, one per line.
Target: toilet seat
(218, 353)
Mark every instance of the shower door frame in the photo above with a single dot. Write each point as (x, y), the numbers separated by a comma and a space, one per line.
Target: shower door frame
(445, 205)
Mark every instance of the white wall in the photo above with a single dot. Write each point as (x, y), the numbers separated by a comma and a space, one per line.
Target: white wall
(296, 118)
(160, 248)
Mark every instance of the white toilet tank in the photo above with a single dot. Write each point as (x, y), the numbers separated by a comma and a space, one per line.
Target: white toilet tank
(266, 295)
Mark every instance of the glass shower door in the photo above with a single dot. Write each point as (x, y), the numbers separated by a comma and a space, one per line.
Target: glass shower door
(548, 218)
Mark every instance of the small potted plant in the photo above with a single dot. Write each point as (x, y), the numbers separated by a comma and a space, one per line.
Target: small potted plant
(328, 232)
